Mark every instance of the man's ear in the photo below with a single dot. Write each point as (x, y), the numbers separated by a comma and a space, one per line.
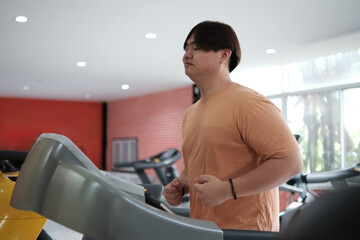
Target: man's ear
(225, 55)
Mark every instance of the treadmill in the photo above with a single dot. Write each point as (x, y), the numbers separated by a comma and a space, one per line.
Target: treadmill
(162, 163)
(59, 182)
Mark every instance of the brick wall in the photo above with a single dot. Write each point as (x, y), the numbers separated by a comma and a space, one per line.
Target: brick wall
(154, 119)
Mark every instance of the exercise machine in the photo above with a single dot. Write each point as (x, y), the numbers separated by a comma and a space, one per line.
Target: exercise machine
(162, 163)
(333, 215)
(302, 184)
(60, 183)
(14, 223)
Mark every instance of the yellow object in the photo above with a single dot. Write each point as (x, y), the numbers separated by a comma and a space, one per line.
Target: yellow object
(16, 224)
(156, 160)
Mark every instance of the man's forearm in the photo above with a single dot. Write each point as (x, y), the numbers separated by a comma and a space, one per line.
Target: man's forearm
(184, 180)
(268, 175)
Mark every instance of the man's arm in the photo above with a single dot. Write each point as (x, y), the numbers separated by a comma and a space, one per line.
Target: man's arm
(273, 172)
(173, 192)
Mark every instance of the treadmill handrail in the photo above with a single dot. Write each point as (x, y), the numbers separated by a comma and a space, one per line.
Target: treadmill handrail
(150, 163)
(321, 177)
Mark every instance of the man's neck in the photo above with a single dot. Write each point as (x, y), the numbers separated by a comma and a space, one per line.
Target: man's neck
(209, 86)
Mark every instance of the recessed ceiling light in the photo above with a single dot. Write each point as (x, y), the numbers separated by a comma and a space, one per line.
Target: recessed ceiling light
(81, 64)
(21, 19)
(125, 86)
(151, 35)
(87, 96)
(25, 88)
(270, 51)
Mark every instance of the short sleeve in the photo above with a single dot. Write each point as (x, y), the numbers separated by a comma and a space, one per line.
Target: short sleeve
(267, 133)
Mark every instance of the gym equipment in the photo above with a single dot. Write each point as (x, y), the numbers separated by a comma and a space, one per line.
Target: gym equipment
(68, 188)
(14, 223)
(162, 163)
(59, 182)
(301, 184)
(331, 216)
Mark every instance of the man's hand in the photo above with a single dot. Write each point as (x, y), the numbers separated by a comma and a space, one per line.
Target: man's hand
(173, 192)
(211, 190)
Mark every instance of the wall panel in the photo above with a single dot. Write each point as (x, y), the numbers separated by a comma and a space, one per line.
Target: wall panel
(23, 120)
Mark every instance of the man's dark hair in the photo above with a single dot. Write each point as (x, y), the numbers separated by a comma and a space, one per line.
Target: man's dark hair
(216, 36)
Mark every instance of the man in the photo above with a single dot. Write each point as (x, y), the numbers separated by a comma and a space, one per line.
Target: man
(237, 148)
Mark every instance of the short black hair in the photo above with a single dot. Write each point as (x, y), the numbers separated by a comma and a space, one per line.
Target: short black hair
(215, 36)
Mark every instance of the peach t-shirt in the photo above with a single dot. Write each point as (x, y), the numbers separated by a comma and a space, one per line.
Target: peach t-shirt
(227, 135)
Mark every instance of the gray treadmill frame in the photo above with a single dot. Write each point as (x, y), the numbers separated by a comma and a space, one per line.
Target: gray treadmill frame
(59, 182)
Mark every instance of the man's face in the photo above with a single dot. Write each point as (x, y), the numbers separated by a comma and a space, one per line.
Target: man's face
(198, 62)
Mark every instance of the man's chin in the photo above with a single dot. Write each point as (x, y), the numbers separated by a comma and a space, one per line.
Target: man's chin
(188, 72)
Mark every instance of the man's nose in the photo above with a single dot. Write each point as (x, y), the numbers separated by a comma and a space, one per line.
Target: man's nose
(187, 54)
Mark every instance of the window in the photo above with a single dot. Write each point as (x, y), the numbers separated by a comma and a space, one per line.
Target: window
(316, 117)
(268, 81)
(351, 136)
(319, 99)
(124, 150)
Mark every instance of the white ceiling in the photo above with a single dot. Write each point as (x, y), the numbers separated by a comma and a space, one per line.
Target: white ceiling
(109, 36)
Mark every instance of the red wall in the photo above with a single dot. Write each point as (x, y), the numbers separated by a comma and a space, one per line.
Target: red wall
(23, 120)
(154, 119)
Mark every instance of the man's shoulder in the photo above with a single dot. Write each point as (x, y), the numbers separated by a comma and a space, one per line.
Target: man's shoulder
(242, 93)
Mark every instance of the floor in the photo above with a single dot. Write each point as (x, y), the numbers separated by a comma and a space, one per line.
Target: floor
(59, 232)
